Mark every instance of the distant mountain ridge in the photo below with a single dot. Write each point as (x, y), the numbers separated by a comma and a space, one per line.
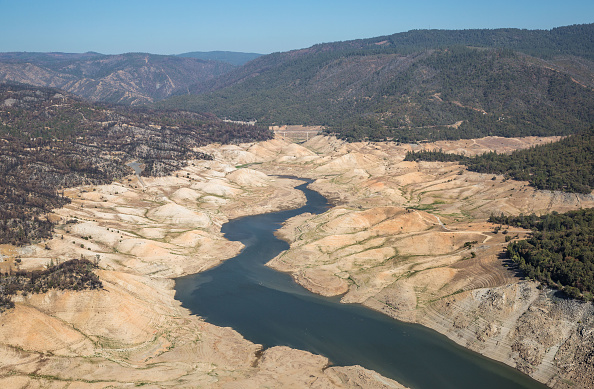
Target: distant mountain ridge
(231, 57)
(132, 78)
(416, 85)
(422, 84)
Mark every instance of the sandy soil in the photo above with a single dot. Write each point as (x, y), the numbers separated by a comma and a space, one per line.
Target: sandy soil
(408, 239)
(133, 332)
(411, 240)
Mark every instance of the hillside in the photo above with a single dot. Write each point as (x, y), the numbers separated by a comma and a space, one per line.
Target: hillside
(418, 85)
(411, 241)
(567, 165)
(50, 140)
(231, 57)
(133, 78)
(559, 253)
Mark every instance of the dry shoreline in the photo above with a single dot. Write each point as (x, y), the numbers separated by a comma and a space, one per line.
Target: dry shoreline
(133, 332)
(410, 240)
(383, 245)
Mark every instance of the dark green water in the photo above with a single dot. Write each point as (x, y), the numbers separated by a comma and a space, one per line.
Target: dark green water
(268, 308)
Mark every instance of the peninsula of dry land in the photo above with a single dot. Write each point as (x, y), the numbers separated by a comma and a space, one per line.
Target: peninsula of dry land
(409, 239)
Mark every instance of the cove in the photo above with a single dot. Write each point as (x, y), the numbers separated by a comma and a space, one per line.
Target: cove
(267, 307)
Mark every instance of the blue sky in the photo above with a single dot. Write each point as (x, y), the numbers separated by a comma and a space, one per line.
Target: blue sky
(177, 26)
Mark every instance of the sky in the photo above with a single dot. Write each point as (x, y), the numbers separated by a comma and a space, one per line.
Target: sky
(260, 26)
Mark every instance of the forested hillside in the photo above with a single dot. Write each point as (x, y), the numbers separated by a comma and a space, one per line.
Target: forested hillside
(567, 165)
(420, 85)
(560, 252)
(231, 57)
(50, 140)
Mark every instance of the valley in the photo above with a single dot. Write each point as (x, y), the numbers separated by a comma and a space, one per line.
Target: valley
(396, 241)
(121, 184)
(131, 78)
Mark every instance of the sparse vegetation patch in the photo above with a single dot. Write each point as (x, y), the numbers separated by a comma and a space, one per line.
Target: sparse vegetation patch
(75, 274)
(50, 140)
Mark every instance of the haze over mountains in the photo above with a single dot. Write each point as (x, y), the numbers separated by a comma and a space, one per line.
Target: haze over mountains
(133, 78)
(232, 57)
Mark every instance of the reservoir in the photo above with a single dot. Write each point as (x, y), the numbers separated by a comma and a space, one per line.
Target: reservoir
(267, 307)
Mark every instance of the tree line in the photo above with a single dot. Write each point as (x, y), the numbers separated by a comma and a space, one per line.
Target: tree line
(74, 274)
(567, 165)
(560, 252)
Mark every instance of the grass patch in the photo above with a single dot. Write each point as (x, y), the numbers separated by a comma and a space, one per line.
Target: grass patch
(248, 165)
(422, 207)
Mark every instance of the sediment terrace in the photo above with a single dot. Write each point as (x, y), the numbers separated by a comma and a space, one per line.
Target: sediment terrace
(133, 332)
(409, 239)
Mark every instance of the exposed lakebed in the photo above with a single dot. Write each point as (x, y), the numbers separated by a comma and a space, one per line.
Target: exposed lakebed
(268, 308)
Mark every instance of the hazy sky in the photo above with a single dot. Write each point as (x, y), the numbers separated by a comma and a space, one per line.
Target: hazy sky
(262, 26)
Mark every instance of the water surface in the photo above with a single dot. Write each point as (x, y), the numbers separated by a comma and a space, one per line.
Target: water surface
(268, 308)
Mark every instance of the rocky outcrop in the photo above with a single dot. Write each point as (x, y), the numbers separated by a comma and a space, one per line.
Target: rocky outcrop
(542, 335)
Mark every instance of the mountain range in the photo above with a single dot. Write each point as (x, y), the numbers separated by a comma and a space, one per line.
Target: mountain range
(417, 85)
(231, 57)
(424, 84)
(133, 78)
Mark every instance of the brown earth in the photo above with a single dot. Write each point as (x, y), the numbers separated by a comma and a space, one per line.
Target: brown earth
(411, 240)
(296, 133)
(133, 332)
(408, 239)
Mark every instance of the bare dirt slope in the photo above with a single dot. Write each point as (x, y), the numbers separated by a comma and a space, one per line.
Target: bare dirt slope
(133, 332)
(411, 240)
(408, 239)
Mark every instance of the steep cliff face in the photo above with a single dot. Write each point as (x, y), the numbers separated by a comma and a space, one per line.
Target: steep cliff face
(133, 78)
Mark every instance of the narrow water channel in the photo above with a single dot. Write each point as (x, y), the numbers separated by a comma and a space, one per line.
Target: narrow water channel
(268, 308)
